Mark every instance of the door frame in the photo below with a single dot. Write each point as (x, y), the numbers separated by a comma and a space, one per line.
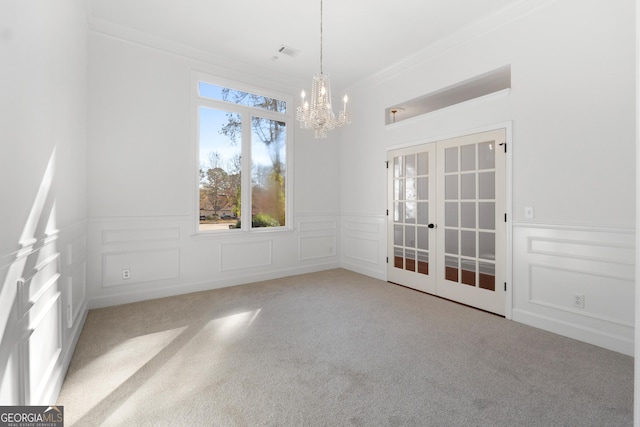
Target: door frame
(508, 127)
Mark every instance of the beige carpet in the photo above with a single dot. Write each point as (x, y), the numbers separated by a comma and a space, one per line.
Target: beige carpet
(334, 348)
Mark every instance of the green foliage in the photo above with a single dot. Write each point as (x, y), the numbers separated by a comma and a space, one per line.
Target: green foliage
(264, 220)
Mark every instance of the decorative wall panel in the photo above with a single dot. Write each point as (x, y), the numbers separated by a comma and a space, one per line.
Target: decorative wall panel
(44, 344)
(239, 256)
(166, 256)
(140, 235)
(10, 378)
(576, 281)
(313, 247)
(143, 266)
(555, 287)
(311, 225)
(364, 244)
(38, 280)
(362, 249)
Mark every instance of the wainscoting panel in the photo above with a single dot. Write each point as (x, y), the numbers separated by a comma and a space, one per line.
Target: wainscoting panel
(167, 256)
(10, 377)
(38, 279)
(74, 269)
(318, 238)
(313, 247)
(362, 249)
(143, 266)
(44, 275)
(39, 314)
(140, 235)
(607, 252)
(76, 252)
(576, 281)
(362, 227)
(76, 295)
(364, 244)
(243, 255)
(554, 287)
(306, 225)
(44, 344)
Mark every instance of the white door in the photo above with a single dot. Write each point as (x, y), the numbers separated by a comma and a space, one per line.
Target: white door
(411, 232)
(458, 226)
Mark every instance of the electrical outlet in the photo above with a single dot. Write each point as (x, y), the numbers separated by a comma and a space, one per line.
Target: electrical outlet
(578, 300)
(126, 274)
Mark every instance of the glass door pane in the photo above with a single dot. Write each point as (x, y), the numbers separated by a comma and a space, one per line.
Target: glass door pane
(410, 189)
(469, 210)
(411, 192)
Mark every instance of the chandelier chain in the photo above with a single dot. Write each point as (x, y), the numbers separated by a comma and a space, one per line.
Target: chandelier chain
(320, 36)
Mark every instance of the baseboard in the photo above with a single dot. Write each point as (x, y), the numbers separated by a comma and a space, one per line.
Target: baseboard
(179, 289)
(577, 332)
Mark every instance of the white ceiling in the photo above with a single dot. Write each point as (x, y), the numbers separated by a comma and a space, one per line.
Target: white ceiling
(360, 37)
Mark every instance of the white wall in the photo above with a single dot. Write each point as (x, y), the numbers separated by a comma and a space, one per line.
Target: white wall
(142, 179)
(572, 110)
(43, 52)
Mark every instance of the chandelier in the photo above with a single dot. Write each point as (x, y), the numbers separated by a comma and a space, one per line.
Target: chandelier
(318, 114)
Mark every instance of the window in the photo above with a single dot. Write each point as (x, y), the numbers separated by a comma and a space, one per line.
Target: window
(243, 159)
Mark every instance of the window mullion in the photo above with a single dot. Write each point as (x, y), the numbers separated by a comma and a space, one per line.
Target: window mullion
(246, 171)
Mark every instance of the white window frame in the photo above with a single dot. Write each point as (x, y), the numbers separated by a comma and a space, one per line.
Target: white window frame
(247, 112)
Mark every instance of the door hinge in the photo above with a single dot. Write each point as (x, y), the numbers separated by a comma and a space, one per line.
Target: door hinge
(505, 286)
(505, 217)
(387, 212)
(387, 162)
(387, 260)
(505, 146)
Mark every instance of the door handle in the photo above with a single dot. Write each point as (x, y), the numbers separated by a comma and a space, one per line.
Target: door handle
(431, 225)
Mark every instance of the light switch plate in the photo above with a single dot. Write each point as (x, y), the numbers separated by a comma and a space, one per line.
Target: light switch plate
(528, 212)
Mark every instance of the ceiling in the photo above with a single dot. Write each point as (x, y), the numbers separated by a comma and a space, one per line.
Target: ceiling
(360, 37)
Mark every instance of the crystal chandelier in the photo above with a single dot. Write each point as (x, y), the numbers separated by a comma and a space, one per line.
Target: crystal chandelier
(318, 114)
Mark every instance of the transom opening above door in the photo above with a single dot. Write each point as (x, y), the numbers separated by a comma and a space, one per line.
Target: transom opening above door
(491, 82)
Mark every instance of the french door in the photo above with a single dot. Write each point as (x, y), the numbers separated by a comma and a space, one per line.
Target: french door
(446, 228)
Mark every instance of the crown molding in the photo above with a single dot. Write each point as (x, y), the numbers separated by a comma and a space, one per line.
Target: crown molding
(480, 28)
(225, 65)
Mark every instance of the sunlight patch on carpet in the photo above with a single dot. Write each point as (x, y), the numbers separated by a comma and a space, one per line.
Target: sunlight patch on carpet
(107, 372)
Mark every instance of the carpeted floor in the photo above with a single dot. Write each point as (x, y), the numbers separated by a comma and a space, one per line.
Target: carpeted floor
(334, 348)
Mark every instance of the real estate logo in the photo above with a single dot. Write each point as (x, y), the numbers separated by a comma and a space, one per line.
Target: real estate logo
(31, 416)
